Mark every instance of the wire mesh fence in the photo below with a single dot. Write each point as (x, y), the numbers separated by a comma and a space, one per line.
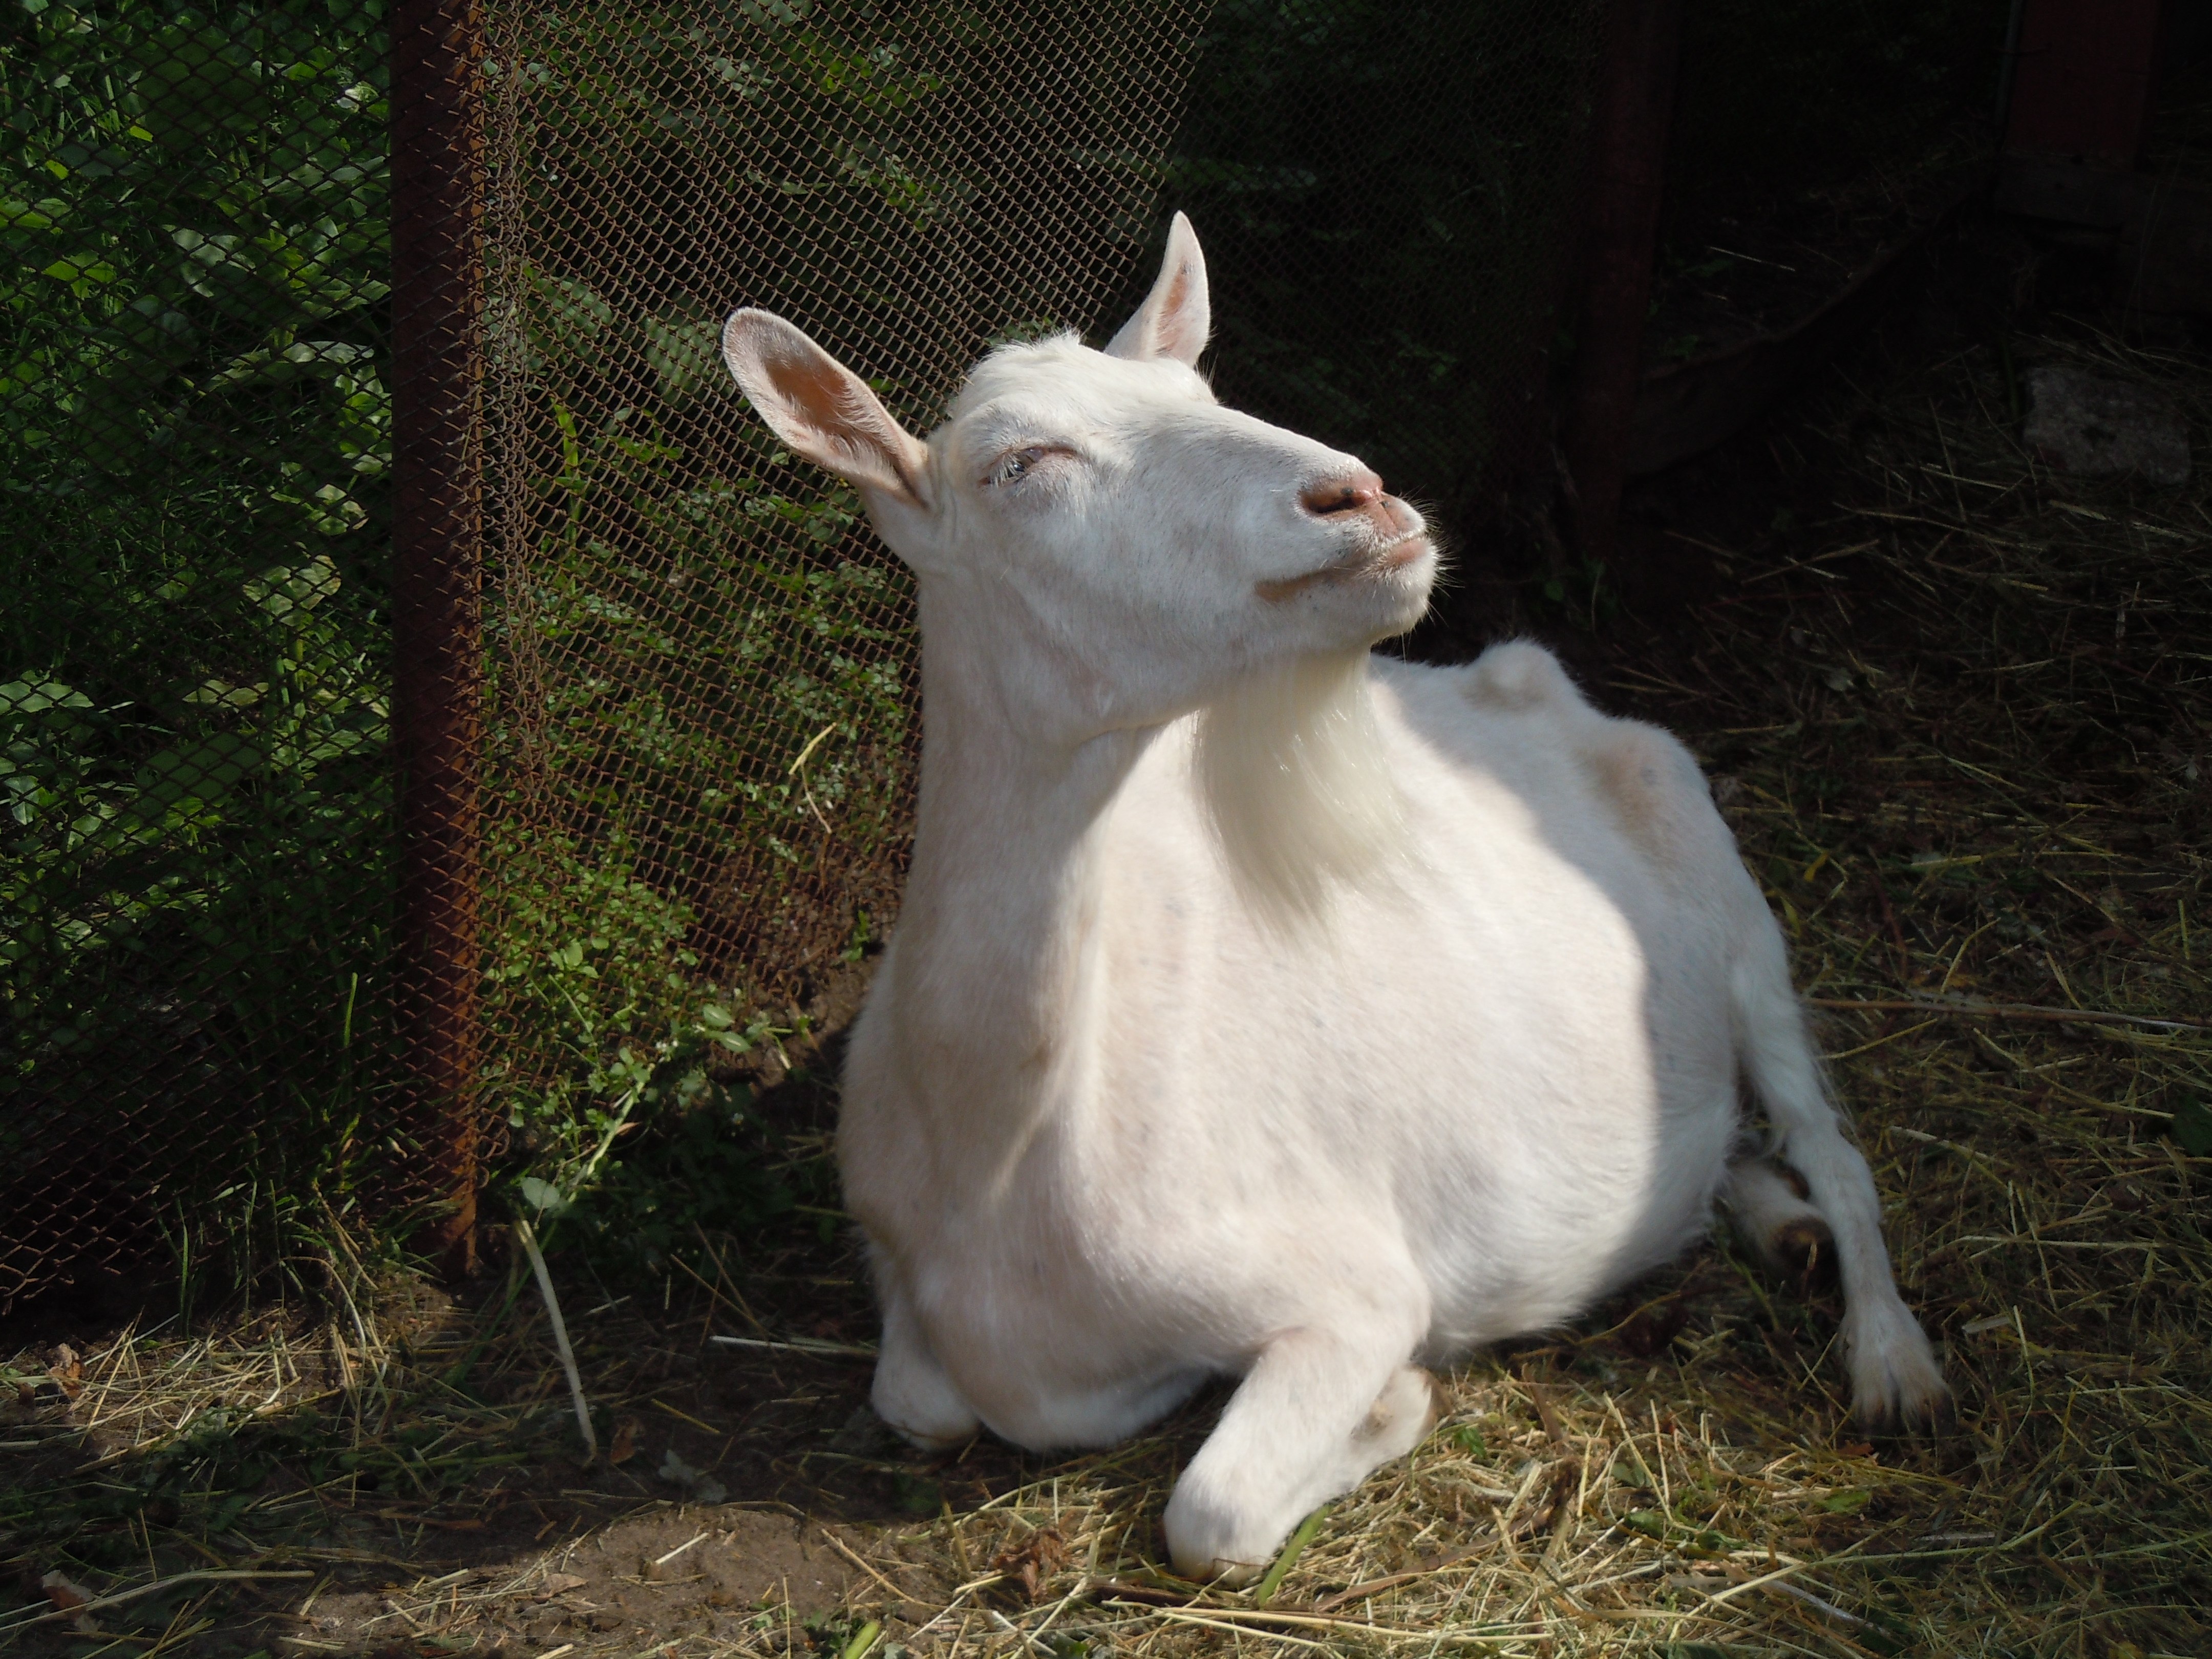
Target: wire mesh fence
(434, 706)
(704, 664)
(704, 729)
(1386, 194)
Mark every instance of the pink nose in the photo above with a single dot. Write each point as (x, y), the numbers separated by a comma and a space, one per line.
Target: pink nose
(1362, 491)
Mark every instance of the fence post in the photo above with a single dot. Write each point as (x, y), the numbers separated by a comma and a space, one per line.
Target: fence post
(1628, 164)
(437, 270)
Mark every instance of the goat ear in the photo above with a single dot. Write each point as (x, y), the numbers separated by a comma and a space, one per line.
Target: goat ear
(823, 411)
(1175, 318)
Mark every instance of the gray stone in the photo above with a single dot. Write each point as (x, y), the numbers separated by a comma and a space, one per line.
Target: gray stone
(2094, 426)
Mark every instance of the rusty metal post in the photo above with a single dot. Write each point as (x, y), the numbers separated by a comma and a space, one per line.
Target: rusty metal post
(437, 286)
(1628, 161)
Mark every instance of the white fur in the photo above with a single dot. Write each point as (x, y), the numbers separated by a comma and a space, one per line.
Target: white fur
(1290, 766)
(1112, 1127)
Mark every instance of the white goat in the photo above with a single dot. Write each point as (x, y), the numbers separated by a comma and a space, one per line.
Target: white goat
(1260, 1006)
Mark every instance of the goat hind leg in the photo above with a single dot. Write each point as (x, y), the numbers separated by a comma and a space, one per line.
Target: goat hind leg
(1893, 1372)
(1777, 1222)
(1317, 1414)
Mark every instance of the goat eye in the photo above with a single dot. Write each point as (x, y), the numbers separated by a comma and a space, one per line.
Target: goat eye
(1012, 468)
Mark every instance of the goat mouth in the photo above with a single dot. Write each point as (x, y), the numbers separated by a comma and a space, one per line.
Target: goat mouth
(1380, 559)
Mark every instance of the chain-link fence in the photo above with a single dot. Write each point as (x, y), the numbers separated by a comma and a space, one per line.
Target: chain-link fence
(701, 740)
(477, 626)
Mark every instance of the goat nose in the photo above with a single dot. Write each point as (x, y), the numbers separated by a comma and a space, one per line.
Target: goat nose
(1362, 490)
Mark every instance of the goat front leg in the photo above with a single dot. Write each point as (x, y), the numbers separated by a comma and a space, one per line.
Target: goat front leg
(912, 1391)
(1319, 1411)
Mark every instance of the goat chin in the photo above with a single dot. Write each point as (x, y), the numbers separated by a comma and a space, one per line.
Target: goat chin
(1290, 765)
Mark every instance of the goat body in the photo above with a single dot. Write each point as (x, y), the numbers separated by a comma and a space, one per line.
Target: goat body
(1259, 1006)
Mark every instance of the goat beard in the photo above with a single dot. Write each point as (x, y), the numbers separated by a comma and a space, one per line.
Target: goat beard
(1289, 761)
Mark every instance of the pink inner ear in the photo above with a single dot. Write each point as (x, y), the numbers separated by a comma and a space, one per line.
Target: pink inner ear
(869, 447)
(1172, 330)
(808, 385)
(1178, 291)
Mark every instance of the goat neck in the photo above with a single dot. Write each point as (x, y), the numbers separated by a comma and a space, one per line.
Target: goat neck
(998, 922)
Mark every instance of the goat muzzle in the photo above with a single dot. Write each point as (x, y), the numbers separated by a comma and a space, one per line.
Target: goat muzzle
(1377, 558)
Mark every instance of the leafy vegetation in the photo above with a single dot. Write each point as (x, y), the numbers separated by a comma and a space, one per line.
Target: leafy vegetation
(194, 440)
(196, 877)
(700, 710)
(662, 773)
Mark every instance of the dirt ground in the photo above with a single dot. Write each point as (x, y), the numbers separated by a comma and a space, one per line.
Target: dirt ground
(412, 1516)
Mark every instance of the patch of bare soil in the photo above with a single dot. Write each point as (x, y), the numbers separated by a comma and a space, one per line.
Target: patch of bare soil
(718, 1572)
(402, 1473)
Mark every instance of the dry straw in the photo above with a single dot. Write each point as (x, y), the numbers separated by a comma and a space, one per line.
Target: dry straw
(1959, 720)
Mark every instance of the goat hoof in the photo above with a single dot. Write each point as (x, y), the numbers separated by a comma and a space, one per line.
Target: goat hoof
(1915, 1405)
(1924, 1415)
(1232, 1574)
(1199, 1539)
(1896, 1384)
(1804, 1252)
